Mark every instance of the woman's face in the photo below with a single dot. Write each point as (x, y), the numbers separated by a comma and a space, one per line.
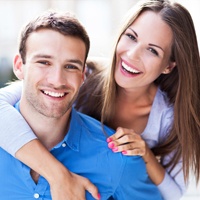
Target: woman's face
(143, 52)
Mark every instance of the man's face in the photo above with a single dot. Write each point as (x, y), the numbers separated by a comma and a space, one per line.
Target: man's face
(53, 72)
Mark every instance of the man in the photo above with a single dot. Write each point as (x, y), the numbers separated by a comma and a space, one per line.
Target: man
(52, 54)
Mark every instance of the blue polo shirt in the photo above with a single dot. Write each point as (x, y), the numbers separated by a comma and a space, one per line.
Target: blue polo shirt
(83, 151)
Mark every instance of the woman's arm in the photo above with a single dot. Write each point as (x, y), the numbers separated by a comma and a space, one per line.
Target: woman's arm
(17, 138)
(171, 185)
(14, 132)
(63, 183)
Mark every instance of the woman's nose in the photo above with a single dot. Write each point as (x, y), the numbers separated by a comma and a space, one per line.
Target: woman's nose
(134, 52)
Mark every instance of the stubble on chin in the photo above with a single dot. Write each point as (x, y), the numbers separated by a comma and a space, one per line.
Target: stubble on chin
(49, 109)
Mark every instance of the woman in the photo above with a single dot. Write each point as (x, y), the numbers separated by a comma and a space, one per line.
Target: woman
(151, 89)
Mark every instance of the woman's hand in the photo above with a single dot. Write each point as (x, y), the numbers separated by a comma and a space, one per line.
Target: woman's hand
(130, 143)
(72, 187)
(127, 142)
(64, 184)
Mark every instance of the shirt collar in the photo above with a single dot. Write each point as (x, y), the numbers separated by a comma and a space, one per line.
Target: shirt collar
(72, 138)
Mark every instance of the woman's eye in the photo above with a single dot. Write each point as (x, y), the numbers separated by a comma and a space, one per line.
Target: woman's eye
(153, 51)
(132, 37)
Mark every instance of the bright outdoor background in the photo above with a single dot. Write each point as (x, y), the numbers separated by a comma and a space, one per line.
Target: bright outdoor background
(101, 19)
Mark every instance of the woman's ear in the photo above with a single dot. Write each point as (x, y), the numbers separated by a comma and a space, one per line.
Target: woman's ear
(18, 67)
(169, 68)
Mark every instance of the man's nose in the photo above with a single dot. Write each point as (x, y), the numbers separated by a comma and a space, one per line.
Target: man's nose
(56, 77)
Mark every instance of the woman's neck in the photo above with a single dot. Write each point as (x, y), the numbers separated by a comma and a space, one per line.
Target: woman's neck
(132, 108)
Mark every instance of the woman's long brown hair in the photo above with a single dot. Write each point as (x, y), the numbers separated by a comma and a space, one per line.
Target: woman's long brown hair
(182, 86)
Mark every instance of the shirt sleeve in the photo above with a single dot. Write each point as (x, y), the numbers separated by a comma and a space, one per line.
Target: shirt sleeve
(14, 131)
(168, 184)
(173, 185)
(11, 93)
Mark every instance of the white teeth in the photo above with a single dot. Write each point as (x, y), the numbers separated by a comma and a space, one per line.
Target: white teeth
(54, 94)
(129, 69)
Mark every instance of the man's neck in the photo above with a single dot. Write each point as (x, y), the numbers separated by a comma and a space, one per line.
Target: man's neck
(50, 131)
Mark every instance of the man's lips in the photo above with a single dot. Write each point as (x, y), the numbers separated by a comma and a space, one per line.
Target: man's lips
(54, 94)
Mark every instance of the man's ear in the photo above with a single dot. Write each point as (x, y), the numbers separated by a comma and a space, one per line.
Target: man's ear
(169, 68)
(18, 67)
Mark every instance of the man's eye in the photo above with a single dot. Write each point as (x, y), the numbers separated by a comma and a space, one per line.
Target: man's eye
(70, 67)
(44, 62)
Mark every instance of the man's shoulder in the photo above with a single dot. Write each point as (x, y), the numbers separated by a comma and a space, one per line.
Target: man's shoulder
(92, 124)
(97, 132)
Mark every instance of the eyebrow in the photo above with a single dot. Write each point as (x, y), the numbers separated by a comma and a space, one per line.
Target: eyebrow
(156, 46)
(150, 44)
(41, 56)
(76, 61)
(133, 32)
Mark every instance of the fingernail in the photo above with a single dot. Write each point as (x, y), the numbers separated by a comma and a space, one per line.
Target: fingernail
(109, 140)
(115, 149)
(124, 152)
(111, 145)
(99, 196)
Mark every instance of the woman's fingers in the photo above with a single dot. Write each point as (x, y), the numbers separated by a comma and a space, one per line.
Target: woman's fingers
(133, 148)
(73, 188)
(134, 152)
(91, 188)
(127, 142)
(120, 132)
